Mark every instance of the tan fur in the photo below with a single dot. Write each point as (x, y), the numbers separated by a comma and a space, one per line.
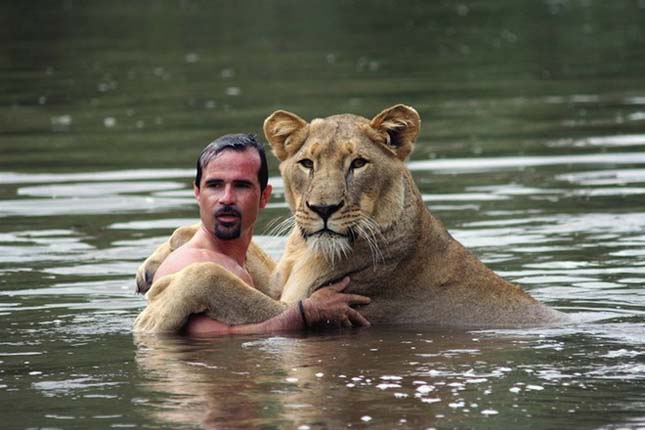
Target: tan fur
(413, 270)
(380, 232)
(258, 263)
(147, 269)
(204, 287)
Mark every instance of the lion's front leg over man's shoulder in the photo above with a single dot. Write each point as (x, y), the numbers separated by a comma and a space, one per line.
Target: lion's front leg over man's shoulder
(258, 263)
(146, 271)
(204, 287)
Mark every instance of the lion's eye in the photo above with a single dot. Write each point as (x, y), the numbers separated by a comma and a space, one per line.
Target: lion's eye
(306, 163)
(358, 163)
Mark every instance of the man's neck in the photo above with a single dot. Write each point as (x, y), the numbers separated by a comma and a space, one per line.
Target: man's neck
(233, 248)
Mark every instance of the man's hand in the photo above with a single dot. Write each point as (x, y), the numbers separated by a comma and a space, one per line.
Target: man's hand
(326, 308)
(329, 307)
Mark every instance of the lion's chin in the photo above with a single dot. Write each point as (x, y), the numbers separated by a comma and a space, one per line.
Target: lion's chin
(332, 246)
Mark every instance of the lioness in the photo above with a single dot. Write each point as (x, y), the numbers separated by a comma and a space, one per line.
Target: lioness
(357, 212)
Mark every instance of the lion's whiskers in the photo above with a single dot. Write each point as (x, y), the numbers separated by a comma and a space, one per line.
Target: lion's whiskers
(331, 248)
(335, 249)
(280, 228)
(368, 229)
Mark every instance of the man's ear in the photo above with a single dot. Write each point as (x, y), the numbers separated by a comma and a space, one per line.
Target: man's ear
(397, 128)
(266, 195)
(285, 132)
(196, 190)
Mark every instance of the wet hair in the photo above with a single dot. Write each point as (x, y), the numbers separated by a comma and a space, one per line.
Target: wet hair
(235, 142)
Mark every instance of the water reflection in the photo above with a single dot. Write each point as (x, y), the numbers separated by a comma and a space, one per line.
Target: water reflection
(446, 377)
(531, 151)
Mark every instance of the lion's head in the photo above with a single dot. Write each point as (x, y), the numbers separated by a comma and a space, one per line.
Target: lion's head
(343, 174)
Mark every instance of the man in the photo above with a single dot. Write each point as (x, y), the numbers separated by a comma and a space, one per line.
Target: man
(231, 187)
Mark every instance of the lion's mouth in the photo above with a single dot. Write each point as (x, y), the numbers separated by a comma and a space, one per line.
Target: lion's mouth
(326, 232)
(333, 245)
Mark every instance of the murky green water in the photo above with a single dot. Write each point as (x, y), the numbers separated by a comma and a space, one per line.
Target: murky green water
(532, 152)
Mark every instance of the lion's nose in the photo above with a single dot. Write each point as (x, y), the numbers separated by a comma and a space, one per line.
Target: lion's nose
(325, 211)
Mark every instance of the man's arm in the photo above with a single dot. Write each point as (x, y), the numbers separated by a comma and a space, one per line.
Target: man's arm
(327, 307)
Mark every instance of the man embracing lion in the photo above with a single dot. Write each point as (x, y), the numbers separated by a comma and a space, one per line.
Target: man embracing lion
(231, 188)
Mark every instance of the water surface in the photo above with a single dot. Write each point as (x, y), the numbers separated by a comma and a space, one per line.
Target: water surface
(532, 152)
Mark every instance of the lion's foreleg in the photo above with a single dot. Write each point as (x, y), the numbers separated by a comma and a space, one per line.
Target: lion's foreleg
(147, 269)
(204, 287)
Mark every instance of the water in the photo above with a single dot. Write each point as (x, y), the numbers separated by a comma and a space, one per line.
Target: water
(532, 152)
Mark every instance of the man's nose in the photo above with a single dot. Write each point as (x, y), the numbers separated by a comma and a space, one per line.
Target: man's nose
(228, 196)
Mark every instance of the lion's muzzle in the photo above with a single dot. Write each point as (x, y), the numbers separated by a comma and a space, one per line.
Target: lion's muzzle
(325, 211)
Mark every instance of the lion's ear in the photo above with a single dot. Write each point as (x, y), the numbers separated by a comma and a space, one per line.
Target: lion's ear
(398, 126)
(285, 132)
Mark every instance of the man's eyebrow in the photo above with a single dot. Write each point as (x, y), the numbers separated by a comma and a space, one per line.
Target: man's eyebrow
(243, 182)
(213, 181)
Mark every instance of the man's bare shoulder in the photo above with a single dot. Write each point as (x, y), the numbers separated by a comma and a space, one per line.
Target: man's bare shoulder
(186, 255)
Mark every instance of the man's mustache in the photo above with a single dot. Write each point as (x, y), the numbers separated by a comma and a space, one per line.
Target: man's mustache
(228, 210)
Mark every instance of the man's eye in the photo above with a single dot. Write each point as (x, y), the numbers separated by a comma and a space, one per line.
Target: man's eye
(306, 163)
(358, 163)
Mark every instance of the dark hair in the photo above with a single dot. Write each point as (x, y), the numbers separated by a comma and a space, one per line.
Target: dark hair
(235, 142)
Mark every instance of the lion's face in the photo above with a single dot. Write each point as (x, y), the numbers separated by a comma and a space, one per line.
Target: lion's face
(343, 174)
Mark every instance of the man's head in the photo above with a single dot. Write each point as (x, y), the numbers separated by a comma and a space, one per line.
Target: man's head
(235, 142)
(231, 185)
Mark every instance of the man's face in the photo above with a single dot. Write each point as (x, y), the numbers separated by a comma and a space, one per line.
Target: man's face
(229, 196)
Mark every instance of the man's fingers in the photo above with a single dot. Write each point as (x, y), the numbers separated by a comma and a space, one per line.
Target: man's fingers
(340, 285)
(356, 299)
(357, 318)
